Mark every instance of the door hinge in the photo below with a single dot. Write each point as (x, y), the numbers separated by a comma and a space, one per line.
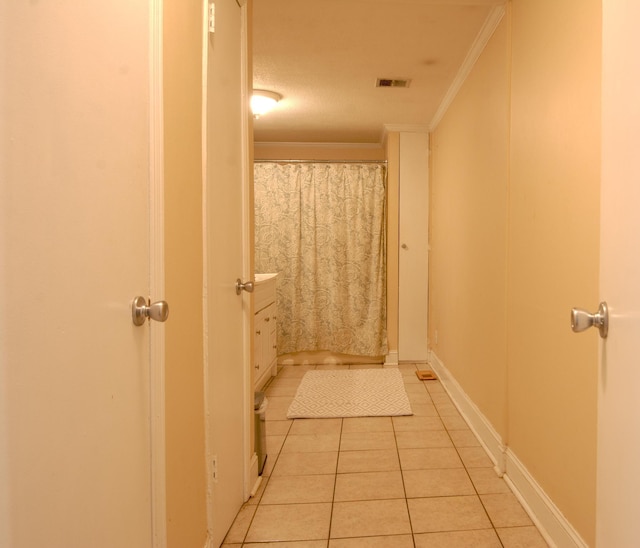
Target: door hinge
(214, 468)
(212, 18)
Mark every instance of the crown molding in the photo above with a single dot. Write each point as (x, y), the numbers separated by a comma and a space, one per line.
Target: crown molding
(487, 30)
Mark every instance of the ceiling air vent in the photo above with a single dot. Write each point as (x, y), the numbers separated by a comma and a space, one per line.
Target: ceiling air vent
(392, 83)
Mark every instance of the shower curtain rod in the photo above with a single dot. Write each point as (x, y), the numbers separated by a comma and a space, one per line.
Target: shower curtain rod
(320, 162)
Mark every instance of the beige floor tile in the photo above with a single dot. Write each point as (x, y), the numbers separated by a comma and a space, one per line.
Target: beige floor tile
(282, 390)
(240, 526)
(455, 423)
(487, 481)
(274, 445)
(367, 424)
(280, 382)
(411, 424)
(316, 426)
(505, 510)
(279, 402)
(354, 441)
(278, 428)
(294, 371)
(429, 458)
(313, 443)
(277, 408)
(447, 410)
(268, 467)
(521, 537)
(294, 544)
(430, 515)
(414, 388)
(435, 387)
(475, 457)
(375, 460)
(287, 522)
(437, 483)
(440, 397)
(370, 518)
(332, 367)
(419, 397)
(484, 538)
(276, 413)
(409, 377)
(464, 438)
(369, 486)
(424, 410)
(423, 438)
(366, 366)
(299, 489)
(306, 464)
(408, 366)
(396, 541)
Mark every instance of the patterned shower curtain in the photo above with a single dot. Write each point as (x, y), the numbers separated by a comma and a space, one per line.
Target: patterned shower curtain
(322, 228)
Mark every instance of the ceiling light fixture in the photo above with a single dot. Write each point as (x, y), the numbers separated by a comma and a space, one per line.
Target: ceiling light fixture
(262, 101)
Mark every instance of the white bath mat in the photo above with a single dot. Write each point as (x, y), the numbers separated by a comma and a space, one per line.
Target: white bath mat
(352, 393)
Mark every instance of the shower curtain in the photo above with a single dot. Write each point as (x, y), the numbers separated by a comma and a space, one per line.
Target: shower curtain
(322, 228)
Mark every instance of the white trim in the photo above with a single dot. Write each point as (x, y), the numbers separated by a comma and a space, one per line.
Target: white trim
(257, 480)
(404, 128)
(484, 431)
(250, 471)
(553, 526)
(487, 30)
(156, 277)
(205, 275)
(391, 359)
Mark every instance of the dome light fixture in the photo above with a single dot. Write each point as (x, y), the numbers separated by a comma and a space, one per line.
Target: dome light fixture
(262, 101)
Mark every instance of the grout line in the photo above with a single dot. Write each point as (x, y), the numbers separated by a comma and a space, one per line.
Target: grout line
(335, 482)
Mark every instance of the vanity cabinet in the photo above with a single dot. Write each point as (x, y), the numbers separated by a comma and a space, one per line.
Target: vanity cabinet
(265, 361)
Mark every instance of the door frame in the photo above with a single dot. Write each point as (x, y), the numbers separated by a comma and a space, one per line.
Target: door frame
(246, 155)
(250, 458)
(157, 277)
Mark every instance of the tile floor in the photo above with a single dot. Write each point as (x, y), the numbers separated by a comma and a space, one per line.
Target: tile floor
(422, 481)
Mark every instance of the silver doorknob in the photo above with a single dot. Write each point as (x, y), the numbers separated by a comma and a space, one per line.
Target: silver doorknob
(141, 310)
(247, 286)
(581, 320)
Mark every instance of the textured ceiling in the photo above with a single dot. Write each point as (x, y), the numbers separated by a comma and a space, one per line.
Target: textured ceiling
(324, 57)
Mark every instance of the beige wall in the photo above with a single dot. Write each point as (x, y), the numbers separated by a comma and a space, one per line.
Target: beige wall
(468, 235)
(185, 433)
(554, 248)
(515, 242)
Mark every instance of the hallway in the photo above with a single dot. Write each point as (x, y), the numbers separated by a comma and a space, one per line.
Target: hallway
(399, 482)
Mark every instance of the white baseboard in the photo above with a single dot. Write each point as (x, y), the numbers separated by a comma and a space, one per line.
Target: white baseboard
(254, 478)
(553, 526)
(484, 431)
(391, 358)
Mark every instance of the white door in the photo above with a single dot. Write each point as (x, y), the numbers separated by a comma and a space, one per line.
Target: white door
(75, 152)
(618, 480)
(226, 204)
(413, 305)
